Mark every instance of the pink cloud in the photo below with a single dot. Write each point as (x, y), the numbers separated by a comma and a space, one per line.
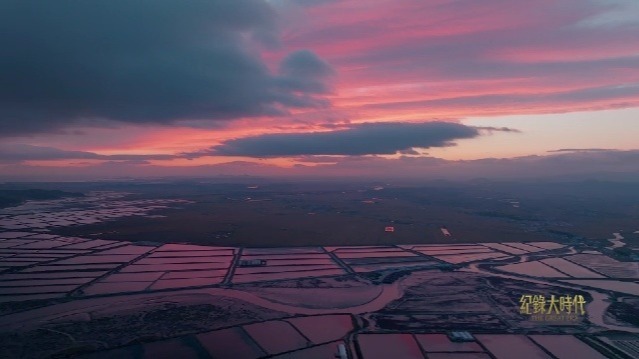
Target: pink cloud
(453, 51)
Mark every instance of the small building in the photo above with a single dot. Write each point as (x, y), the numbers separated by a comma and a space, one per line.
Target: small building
(341, 352)
(252, 263)
(389, 229)
(445, 231)
(461, 337)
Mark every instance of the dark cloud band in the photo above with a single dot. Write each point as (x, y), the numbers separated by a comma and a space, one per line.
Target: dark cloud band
(69, 62)
(363, 139)
(23, 152)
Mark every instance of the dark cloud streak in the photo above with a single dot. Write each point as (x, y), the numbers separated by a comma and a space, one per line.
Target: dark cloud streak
(22, 152)
(361, 139)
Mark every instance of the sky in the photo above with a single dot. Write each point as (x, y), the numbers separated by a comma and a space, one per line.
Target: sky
(454, 89)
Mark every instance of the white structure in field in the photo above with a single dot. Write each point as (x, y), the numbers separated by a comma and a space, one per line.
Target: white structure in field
(445, 231)
(341, 352)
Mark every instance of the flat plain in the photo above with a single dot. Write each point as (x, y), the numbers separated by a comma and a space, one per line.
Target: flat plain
(93, 277)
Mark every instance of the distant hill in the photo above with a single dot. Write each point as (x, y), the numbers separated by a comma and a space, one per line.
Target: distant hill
(9, 198)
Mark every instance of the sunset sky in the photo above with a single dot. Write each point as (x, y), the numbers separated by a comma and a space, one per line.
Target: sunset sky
(422, 89)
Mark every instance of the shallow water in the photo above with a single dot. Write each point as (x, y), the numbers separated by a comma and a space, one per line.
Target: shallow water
(566, 347)
(385, 346)
(441, 343)
(325, 328)
(245, 278)
(505, 248)
(533, 269)
(511, 346)
(374, 255)
(570, 268)
(287, 337)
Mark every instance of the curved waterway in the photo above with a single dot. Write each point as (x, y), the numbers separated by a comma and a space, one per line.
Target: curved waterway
(616, 241)
(387, 294)
(121, 303)
(596, 309)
